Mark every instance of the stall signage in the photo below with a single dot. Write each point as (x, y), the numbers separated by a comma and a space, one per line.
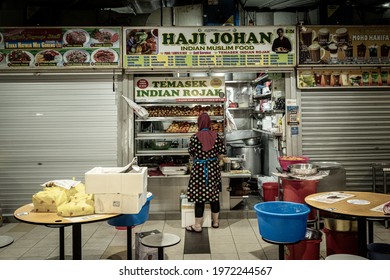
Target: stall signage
(199, 47)
(60, 47)
(344, 45)
(208, 89)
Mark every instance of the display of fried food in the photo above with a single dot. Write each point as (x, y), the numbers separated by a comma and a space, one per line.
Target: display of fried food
(180, 111)
(191, 127)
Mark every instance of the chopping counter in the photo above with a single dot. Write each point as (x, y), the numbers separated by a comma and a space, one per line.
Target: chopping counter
(167, 190)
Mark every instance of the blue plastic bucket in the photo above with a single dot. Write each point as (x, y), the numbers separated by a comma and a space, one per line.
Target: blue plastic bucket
(127, 220)
(282, 221)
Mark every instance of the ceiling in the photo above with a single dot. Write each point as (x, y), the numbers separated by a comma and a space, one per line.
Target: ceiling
(44, 10)
(148, 6)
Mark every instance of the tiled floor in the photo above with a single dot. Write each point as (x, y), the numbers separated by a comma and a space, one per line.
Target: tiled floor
(236, 239)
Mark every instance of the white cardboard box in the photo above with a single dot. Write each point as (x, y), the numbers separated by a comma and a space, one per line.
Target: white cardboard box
(119, 203)
(188, 215)
(105, 180)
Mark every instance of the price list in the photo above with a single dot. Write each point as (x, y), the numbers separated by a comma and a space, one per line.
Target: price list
(209, 60)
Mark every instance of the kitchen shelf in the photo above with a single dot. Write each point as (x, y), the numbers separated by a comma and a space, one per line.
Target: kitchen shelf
(150, 135)
(170, 152)
(270, 112)
(262, 96)
(240, 109)
(177, 118)
(238, 82)
(276, 134)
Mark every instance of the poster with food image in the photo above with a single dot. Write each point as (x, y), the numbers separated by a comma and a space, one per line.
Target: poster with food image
(343, 78)
(52, 47)
(141, 41)
(344, 45)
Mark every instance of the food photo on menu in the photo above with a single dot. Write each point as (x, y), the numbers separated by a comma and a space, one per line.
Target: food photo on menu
(141, 41)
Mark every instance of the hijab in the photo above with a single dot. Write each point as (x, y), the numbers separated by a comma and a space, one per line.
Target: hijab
(205, 135)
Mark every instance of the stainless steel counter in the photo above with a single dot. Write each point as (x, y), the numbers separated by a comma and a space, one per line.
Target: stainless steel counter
(167, 190)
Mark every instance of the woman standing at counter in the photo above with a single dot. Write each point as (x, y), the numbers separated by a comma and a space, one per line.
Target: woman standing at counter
(206, 149)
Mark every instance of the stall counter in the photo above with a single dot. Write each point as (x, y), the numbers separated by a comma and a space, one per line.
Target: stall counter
(167, 190)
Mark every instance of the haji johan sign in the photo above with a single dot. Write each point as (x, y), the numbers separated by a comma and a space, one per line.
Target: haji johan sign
(208, 89)
(199, 47)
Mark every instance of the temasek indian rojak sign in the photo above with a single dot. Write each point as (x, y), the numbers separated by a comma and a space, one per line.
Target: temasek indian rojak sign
(160, 89)
(199, 47)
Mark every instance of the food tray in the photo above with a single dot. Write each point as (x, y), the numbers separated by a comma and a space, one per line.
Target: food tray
(174, 172)
(173, 168)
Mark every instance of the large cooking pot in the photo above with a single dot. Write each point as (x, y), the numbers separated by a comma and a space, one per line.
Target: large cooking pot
(252, 141)
(252, 158)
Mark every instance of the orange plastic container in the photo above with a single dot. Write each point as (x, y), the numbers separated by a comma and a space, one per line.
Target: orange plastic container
(270, 191)
(297, 190)
(303, 250)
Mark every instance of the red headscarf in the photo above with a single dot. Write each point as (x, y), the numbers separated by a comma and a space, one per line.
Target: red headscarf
(205, 135)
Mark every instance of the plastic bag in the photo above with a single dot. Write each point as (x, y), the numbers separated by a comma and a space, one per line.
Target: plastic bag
(230, 125)
(138, 110)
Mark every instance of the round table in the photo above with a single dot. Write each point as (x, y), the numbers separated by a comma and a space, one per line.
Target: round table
(160, 241)
(361, 205)
(27, 215)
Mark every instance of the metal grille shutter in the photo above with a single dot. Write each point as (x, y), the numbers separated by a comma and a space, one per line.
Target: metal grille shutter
(349, 127)
(53, 127)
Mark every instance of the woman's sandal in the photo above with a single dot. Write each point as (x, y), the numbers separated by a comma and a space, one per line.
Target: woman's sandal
(215, 225)
(192, 229)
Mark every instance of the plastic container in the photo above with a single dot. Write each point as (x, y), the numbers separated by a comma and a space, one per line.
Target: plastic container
(297, 190)
(378, 251)
(308, 249)
(285, 161)
(341, 242)
(282, 221)
(270, 191)
(126, 220)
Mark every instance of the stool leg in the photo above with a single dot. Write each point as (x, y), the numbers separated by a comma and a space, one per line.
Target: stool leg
(281, 252)
(160, 253)
(129, 243)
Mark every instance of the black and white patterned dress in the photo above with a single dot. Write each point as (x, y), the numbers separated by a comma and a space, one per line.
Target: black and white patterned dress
(205, 177)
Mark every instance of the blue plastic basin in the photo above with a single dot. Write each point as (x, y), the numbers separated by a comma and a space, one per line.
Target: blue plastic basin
(127, 220)
(282, 221)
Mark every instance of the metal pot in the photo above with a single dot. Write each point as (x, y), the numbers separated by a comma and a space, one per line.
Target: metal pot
(252, 141)
(303, 169)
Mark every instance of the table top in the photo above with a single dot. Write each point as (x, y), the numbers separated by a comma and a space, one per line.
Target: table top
(357, 204)
(160, 240)
(26, 214)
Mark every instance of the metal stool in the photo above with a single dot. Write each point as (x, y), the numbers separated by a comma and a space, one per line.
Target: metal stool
(5, 240)
(344, 257)
(160, 241)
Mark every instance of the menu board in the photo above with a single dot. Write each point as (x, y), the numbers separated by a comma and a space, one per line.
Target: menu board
(200, 47)
(57, 47)
(160, 89)
(344, 45)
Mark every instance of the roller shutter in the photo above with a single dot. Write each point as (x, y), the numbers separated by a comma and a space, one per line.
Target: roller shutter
(351, 127)
(53, 127)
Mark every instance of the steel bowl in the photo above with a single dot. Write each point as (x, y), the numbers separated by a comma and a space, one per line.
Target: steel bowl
(303, 169)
